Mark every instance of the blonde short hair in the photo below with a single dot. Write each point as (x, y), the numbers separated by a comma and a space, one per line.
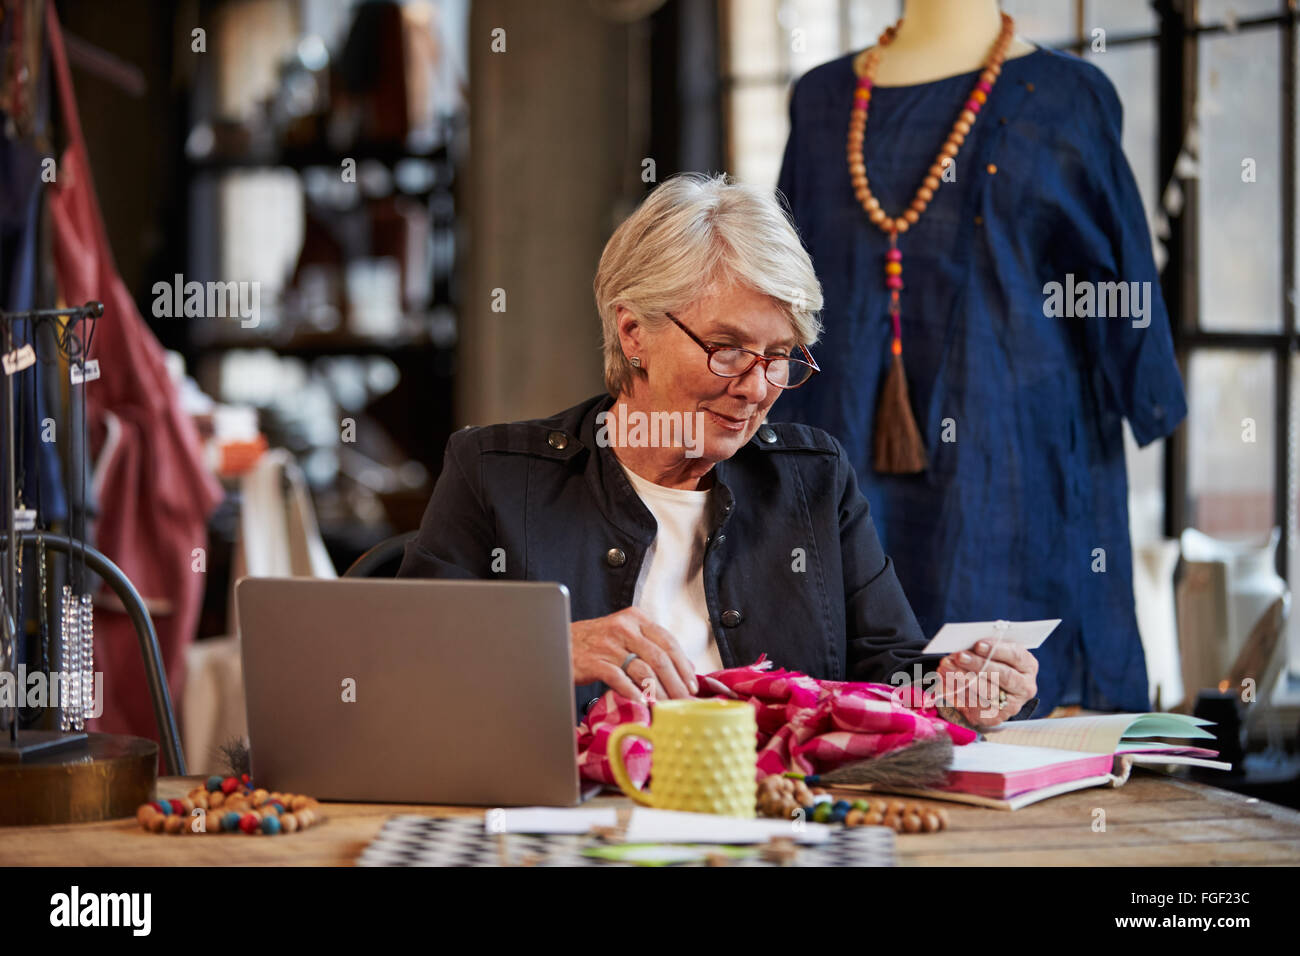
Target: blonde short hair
(692, 235)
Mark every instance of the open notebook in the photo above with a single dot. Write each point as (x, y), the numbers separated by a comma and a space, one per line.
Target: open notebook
(1031, 760)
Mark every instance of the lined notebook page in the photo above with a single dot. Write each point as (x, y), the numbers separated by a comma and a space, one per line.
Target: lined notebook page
(1100, 733)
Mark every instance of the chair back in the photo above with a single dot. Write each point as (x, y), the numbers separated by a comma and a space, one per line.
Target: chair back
(383, 559)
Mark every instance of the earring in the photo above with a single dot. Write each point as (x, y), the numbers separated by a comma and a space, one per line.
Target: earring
(636, 361)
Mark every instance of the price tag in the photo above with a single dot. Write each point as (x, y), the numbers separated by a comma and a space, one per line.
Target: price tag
(91, 373)
(19, 359)
(24, 519)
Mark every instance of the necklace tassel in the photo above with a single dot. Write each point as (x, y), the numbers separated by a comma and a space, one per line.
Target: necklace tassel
(899, 449)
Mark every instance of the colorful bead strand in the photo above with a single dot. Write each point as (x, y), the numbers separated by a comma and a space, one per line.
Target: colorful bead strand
(232, 805)
(781, 796)
(894, 282)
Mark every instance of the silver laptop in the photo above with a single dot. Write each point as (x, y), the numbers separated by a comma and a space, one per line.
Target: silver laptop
(410, 691)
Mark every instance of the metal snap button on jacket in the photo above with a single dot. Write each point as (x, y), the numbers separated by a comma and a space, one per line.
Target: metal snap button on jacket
(730, 618)
(615, 557)
(557, 440)
(766, 434)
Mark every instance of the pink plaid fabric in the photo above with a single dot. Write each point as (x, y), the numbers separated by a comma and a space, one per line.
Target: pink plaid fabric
(804, 724)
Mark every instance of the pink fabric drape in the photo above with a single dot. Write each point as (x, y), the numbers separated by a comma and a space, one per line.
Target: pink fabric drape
(804, 724)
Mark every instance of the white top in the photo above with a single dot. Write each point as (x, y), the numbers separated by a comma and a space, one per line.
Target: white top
(670, 586)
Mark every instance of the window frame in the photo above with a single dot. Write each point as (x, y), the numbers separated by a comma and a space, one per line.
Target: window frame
(1178, 66)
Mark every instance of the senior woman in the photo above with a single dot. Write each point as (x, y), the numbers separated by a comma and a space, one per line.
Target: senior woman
(693, 534)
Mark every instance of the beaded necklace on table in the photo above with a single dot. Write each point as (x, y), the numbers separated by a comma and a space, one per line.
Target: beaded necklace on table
(229, 805)
(899, 448)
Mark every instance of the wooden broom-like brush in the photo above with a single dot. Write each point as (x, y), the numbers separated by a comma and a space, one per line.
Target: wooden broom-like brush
(921, 764)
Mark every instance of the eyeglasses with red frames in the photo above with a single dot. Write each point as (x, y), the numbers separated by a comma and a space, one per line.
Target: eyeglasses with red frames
(732, 361)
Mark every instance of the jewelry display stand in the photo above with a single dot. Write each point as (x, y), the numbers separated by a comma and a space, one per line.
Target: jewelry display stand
(62, 774)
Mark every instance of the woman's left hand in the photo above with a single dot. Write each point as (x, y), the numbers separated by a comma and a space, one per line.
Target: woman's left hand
(976, 694)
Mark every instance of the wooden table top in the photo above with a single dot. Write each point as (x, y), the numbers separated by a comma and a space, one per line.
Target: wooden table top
(1153, 820)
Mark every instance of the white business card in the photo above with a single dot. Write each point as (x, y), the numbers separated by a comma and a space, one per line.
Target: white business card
(962, 637)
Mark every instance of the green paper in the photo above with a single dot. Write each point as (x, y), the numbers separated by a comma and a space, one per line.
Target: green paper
(1168, 725)
(665, 854)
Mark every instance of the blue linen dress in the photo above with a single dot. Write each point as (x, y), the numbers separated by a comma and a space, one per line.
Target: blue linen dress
(1023, 512)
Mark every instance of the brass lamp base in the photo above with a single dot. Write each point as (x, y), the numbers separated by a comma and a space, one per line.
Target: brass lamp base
(107, 778)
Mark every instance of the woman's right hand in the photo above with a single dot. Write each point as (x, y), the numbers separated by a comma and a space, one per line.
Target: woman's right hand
(601, 644)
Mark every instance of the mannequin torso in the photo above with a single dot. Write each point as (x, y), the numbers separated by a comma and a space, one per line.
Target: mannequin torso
(1031, 468)
(942, 38)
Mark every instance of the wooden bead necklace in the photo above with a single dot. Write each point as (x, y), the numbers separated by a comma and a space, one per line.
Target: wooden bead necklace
(780, 796)
(898, 445)
(231, 804)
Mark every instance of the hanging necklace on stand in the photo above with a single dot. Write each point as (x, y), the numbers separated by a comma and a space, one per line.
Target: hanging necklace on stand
(898, 447)
(78, 627)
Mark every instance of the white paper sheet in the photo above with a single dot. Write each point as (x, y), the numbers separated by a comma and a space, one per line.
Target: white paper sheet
(670, 826)
(549, 819)
(962, 637)
(652, 826)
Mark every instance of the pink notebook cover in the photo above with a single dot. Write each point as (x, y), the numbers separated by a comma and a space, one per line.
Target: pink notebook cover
(1000, 786)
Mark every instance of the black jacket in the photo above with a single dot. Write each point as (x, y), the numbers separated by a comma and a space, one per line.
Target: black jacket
(792, 569)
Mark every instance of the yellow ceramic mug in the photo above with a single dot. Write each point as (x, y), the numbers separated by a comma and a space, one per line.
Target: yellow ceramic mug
(705, 757)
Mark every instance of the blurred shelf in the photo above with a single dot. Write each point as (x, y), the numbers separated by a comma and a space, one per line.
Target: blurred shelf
(312, 346)
(305, 157)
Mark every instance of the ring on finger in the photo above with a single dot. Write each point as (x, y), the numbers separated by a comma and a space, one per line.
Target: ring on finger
(647, 681)
(628, 660)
